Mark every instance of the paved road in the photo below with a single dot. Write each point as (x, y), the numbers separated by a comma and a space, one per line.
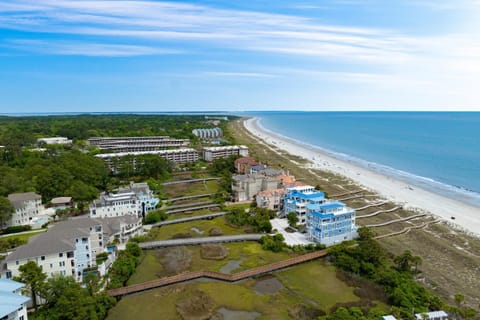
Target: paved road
(203, 217)
(199, 241)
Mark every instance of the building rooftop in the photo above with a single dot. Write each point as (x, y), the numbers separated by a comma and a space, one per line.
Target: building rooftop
(18, 199)
(10, 303)
(222, 148)
(432, 315)
(271, 192)
(26, 196)
(246, 160)
(7, 285)
(61, 200)
(60, 237)
(140, 153)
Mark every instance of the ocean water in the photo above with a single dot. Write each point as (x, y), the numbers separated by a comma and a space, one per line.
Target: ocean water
(438, 151)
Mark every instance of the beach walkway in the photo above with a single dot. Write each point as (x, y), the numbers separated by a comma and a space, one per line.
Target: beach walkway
(182, 220)
(188, 276)
(395, 221)
(188, 181)
(200, 241)
(378, 212)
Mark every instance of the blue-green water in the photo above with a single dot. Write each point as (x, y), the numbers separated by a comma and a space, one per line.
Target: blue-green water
(439, 151)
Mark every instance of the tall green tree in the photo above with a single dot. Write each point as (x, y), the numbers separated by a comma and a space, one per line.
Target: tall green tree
(31, 274)
(292, 219)
(6, 210)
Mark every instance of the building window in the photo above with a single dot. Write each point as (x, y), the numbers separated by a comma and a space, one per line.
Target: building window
(42, 258)
(60, 254)
(17, 263)
(70, 254)
(51, 265)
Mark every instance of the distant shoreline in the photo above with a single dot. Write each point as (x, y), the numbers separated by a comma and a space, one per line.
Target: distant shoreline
(466, 217)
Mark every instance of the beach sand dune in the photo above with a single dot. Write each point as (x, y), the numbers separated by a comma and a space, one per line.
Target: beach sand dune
(412, 197)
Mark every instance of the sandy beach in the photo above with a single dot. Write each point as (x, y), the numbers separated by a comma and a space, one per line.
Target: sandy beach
(466, 217)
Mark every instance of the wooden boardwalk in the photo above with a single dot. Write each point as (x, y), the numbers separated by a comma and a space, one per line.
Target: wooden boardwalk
(188, 276)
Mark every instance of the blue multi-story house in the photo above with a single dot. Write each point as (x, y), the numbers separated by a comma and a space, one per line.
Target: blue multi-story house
(330, 223)
(297, 198)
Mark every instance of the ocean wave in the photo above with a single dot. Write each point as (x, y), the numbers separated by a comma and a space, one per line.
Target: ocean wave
(450, 191)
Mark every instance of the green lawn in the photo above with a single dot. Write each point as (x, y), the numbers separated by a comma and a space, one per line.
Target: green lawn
(24, 237)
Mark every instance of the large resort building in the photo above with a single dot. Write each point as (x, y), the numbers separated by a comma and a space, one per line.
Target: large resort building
(137, 144)
(184, 155)
(212, 153)
(327, 221)
(70, 247)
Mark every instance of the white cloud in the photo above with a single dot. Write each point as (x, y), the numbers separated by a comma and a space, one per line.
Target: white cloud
(83, 48)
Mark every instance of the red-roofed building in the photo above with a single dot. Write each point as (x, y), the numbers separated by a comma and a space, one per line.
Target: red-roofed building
(242, 165)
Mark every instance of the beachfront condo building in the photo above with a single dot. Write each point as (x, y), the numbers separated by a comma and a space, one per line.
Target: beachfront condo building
(327, 221)
(27, 206)
(13, 305)
(330, 223)
(137, 144)
(184, 155)
(135, 200)
(212, 153)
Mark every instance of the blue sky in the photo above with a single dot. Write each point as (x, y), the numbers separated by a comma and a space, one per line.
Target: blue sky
(117, 55)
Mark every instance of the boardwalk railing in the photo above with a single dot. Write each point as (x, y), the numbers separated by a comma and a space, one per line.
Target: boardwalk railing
(182, 220)
(396, 220)
(188, 181)
(377, 213)
(188, 197)
(187, 276)
(200, 240)
(206, 206)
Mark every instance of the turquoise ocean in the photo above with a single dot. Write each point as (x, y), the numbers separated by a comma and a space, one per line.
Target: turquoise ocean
(437, 151)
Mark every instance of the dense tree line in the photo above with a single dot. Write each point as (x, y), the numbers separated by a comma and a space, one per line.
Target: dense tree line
(369, 260)
(23, 131)
(63, 297)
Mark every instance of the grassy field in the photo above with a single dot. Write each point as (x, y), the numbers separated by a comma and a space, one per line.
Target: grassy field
(313, 284)
(170, 231)
(190, 189)
(250, 254)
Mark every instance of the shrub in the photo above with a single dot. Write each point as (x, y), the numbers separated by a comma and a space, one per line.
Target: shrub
(16, 229)
(155, 216)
